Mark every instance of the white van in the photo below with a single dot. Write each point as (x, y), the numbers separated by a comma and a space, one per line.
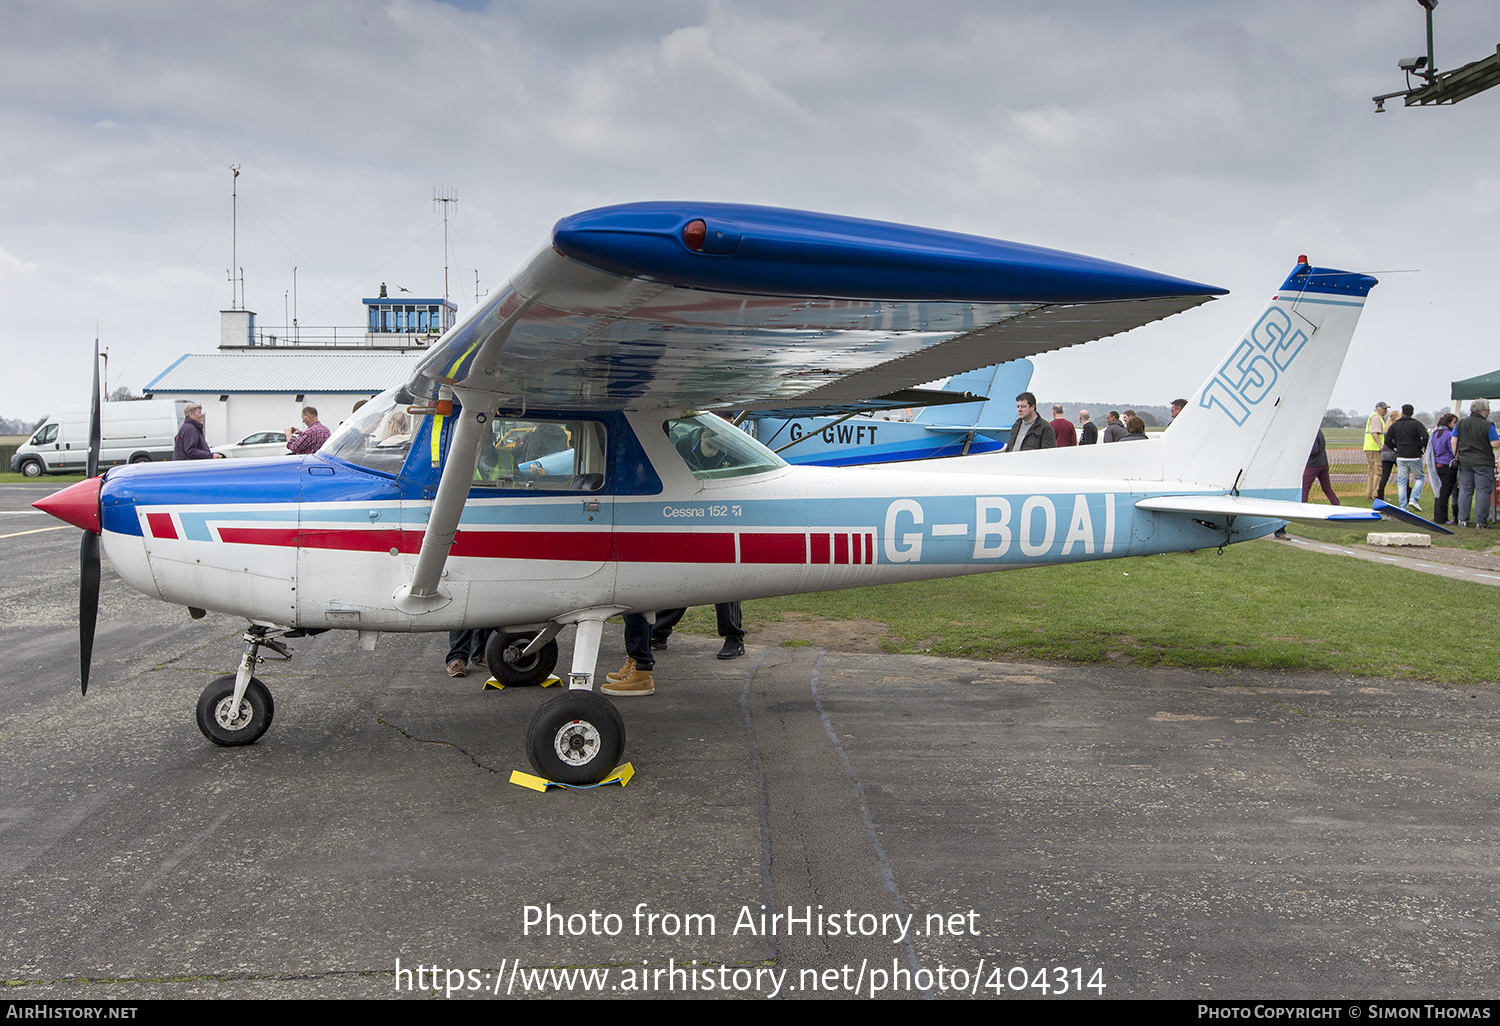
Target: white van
(133, 432)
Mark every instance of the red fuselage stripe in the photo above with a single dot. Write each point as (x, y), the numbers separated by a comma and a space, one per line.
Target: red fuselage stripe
(773, 548)
(565, 546)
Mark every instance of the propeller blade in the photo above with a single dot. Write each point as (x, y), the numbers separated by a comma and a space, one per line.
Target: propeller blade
(88, 552)
(95, 432)
(88, 603)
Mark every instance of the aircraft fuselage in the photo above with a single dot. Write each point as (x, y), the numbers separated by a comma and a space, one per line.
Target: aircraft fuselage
(320, 542)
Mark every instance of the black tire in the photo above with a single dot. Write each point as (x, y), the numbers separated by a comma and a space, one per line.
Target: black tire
(141, 457)
(32, 468)
(502, 654)
(217, 725)
(576, 738)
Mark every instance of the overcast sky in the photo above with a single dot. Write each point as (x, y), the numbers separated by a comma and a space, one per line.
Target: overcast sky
(1212, 140)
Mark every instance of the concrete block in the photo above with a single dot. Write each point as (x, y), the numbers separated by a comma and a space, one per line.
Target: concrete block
(1401, 538)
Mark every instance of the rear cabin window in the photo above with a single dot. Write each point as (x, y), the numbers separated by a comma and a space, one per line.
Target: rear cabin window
(713, 448)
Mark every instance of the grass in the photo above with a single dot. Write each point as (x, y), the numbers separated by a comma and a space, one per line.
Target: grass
(1259, 605)
(60, 480)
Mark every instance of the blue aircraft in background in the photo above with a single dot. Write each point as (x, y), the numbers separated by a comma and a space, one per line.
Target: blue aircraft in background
(972, 414)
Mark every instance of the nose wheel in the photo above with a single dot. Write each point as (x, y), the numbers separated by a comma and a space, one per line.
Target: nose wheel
(225, 724)
(236, 709)
(575, 738)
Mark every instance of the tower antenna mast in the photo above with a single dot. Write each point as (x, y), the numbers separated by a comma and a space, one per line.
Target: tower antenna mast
(236, 285)
(445, 197)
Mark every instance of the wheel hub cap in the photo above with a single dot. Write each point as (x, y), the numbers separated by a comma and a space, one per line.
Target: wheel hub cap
(577, 743)
(228, 720)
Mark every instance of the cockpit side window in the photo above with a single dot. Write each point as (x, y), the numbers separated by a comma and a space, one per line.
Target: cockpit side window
(537, 454)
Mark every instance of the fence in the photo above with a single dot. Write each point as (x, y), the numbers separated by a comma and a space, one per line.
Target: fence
(1349, 471)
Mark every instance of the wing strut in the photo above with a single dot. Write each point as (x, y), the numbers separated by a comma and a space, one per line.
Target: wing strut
(424, 594)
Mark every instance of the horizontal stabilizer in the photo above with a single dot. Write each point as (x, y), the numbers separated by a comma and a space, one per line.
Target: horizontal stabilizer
(1242, 506)
(1385, 509)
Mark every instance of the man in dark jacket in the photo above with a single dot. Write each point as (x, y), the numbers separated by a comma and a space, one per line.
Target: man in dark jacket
(1408, 437)
(1088, 434)
(1029, 431)
(1113, 429)
(1477, 441)
(189, 443)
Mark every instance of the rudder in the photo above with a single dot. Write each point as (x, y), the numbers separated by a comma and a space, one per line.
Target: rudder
(1250, 426)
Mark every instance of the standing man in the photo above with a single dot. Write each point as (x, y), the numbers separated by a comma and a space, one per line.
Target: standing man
(189, 443)
(1317, 470)
(642, 636)
(730, 628)
(1374, 440)
(1408, 437)
(634, 678)
(1062, 428)
(1088, 434)
(1029, 431)
(308, 438)
(1113, 429)
(464, 648)
(1477, 442)
(1178, 405)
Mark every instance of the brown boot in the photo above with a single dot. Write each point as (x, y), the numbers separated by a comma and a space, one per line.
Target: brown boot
(622, 672)
(639, 682)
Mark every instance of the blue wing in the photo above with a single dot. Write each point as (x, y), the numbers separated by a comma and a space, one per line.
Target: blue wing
(718, 306)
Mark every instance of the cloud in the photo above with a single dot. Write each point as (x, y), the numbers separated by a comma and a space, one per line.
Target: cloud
(1215, 140)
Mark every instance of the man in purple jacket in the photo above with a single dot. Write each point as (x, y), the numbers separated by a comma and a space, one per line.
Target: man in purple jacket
(189, 443)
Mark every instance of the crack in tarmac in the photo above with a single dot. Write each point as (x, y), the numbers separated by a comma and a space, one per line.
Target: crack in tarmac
(373, 711)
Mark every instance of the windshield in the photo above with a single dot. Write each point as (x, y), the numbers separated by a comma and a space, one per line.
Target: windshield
(713, 448)
(378, 436)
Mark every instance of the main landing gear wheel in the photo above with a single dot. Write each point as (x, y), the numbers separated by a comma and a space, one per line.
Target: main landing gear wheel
(234, 727)
(575, 738)
(502, 653)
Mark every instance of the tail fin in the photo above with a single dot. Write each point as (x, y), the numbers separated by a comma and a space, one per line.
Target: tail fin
(1001, 382)
(1250, 427)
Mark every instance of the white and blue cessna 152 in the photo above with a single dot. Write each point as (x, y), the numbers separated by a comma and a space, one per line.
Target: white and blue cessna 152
(556, 459)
